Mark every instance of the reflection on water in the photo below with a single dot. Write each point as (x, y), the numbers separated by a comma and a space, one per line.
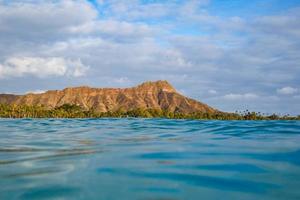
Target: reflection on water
(149, 159)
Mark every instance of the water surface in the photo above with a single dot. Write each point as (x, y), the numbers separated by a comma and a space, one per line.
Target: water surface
(149, 159)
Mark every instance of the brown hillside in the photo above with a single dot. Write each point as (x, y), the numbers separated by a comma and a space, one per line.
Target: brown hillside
(158, 95)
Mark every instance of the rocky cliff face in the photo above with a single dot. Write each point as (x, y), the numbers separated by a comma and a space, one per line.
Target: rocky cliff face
(157, 95)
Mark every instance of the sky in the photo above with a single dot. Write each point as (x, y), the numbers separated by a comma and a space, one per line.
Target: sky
(231, 54)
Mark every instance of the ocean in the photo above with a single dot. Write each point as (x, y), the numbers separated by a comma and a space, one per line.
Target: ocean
(149, 159)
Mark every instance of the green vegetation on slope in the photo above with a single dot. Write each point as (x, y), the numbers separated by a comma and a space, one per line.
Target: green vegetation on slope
(74, 111)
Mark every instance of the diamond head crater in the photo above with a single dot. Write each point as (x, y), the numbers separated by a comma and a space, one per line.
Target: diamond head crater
(147, 100)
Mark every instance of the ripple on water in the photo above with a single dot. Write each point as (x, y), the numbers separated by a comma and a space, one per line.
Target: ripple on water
(50, 192)
(149, 159)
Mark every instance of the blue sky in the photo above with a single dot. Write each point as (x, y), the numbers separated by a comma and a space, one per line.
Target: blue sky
(250, 8)
(233, 54)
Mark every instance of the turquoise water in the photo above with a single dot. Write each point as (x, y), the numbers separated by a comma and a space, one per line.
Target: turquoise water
(149, 159)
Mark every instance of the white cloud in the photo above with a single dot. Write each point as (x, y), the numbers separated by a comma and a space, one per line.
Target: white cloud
(100, 1)
(41, 67)
(114, 28)
(246, 96)
(133, 9)
(296, 97)
(43, 20)
(287, 90)
(36, 92)
(212, 91)
(286, 24)
(122, 80)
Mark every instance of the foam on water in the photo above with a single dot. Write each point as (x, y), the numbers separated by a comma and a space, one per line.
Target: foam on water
(149, 159)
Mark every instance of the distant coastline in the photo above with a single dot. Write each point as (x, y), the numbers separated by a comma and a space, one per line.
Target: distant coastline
(151, 99)
(75, 111)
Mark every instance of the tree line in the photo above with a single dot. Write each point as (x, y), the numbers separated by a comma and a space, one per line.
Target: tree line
(75, 111)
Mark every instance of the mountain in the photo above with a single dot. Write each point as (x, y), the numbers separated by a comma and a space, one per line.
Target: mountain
(156, 95)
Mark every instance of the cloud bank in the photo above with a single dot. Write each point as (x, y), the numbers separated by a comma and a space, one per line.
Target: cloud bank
(215, 54)
(41, 67)
(287, 90)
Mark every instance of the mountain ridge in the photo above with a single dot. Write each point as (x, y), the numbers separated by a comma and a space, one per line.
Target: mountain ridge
(148, 95)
